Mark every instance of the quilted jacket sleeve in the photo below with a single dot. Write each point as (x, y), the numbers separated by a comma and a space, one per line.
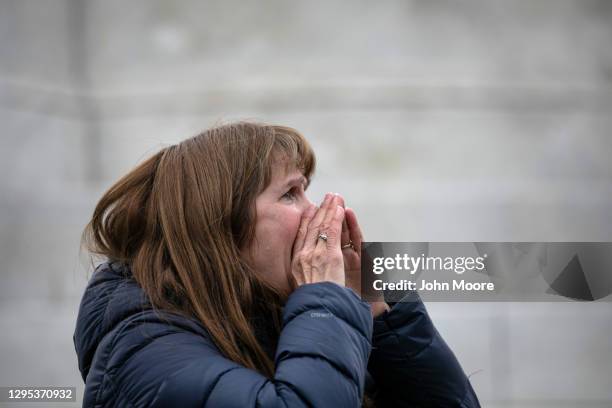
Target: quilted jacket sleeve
(411, 363)
(321, 359)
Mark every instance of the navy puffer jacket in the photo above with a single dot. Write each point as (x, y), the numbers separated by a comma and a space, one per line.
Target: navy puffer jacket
(133, 356)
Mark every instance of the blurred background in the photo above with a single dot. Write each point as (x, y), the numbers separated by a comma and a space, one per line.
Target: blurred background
(438, 121)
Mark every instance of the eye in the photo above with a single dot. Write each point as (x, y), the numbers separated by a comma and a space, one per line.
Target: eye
(291, 194)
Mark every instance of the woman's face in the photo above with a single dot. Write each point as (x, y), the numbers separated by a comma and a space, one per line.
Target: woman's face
(279, 210)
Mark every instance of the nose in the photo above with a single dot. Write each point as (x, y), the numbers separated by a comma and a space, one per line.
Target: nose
(307, 203)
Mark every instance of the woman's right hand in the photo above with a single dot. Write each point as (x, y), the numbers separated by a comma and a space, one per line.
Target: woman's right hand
(315, 259)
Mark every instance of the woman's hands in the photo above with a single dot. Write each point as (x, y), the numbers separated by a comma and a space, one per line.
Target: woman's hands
(337, 259)
(351, 234)
(351, 238)
(316, 252)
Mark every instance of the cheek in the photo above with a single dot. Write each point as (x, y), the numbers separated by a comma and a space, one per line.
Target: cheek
(292, 223)
(278, 229)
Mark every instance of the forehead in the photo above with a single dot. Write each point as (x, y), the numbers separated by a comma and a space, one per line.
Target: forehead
(284, 170)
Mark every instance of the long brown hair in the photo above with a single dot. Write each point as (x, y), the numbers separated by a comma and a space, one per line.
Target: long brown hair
(180, 219)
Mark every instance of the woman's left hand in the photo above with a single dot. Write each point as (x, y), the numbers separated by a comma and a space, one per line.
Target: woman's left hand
(350, 241)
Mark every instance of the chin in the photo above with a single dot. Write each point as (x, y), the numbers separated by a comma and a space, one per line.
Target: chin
(288, 288)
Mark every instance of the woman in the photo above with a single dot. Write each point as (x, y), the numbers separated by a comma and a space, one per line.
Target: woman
(224, 286)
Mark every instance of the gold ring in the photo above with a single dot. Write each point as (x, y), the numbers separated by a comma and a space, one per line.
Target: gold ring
(349, 245)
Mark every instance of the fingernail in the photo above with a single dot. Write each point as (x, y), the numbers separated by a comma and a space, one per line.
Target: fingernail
(341, 200)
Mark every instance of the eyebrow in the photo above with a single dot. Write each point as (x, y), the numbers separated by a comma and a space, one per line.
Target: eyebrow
(298, 180)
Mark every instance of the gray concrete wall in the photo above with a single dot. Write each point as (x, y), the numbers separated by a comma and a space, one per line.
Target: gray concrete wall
(438, 120)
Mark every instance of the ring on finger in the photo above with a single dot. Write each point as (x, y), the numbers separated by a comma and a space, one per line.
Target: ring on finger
(348, 245)
(323, 236)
